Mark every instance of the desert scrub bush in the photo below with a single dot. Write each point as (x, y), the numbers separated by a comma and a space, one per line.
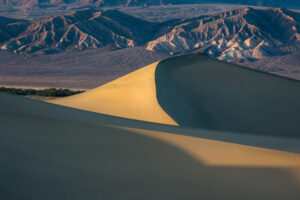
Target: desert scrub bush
(51, 92)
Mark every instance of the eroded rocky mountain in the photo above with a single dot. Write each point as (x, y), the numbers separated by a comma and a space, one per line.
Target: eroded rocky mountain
(244, 33)
(241, 33)
(295, 4)
(84, 29)
(76, 3)
(10, 28)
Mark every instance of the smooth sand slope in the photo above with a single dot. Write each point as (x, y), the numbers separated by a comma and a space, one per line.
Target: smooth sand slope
(52, 152)
(132, 96)
(198, 91)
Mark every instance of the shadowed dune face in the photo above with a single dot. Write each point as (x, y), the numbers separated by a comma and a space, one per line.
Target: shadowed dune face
(198, 91)
(47, 155)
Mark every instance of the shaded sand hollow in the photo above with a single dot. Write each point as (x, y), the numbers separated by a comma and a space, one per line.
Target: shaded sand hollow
(50, 151)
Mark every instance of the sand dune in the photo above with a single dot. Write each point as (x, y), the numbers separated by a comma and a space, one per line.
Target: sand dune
(225, 146)
(53, 152)
(198, 91)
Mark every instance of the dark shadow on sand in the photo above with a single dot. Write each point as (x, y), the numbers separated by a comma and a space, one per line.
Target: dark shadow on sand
(198, 91)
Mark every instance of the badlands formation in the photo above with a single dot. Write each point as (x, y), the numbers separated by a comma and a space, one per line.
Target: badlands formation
(189, 127)
(103, 45)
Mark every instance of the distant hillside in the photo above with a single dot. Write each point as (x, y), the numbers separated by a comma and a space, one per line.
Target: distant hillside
(242, 33)
(10, 28)
(81, 30)
(295, 4)
(96, 3)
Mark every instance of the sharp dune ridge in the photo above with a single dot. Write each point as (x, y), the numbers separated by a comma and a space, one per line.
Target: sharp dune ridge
(197, 91)
(132, 96)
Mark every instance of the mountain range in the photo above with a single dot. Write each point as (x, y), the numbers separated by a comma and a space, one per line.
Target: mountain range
(103, 3)
(82, 29)
(244, 33)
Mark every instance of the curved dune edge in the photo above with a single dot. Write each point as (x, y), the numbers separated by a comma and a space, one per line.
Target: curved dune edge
(132, 96)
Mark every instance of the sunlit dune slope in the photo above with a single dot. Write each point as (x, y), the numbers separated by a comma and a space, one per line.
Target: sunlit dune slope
(132, 96)
(53, 152)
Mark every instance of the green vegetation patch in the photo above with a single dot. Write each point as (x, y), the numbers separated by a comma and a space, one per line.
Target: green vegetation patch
(51, 92)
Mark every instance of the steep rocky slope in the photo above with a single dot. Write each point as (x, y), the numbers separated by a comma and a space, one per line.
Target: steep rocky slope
(242, 33)
(10, 28)
(81, 30)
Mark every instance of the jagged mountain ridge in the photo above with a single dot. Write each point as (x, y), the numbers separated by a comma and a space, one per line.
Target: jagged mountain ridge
(102, 3)
(237, 34)
(241, 33)
(81, 30)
